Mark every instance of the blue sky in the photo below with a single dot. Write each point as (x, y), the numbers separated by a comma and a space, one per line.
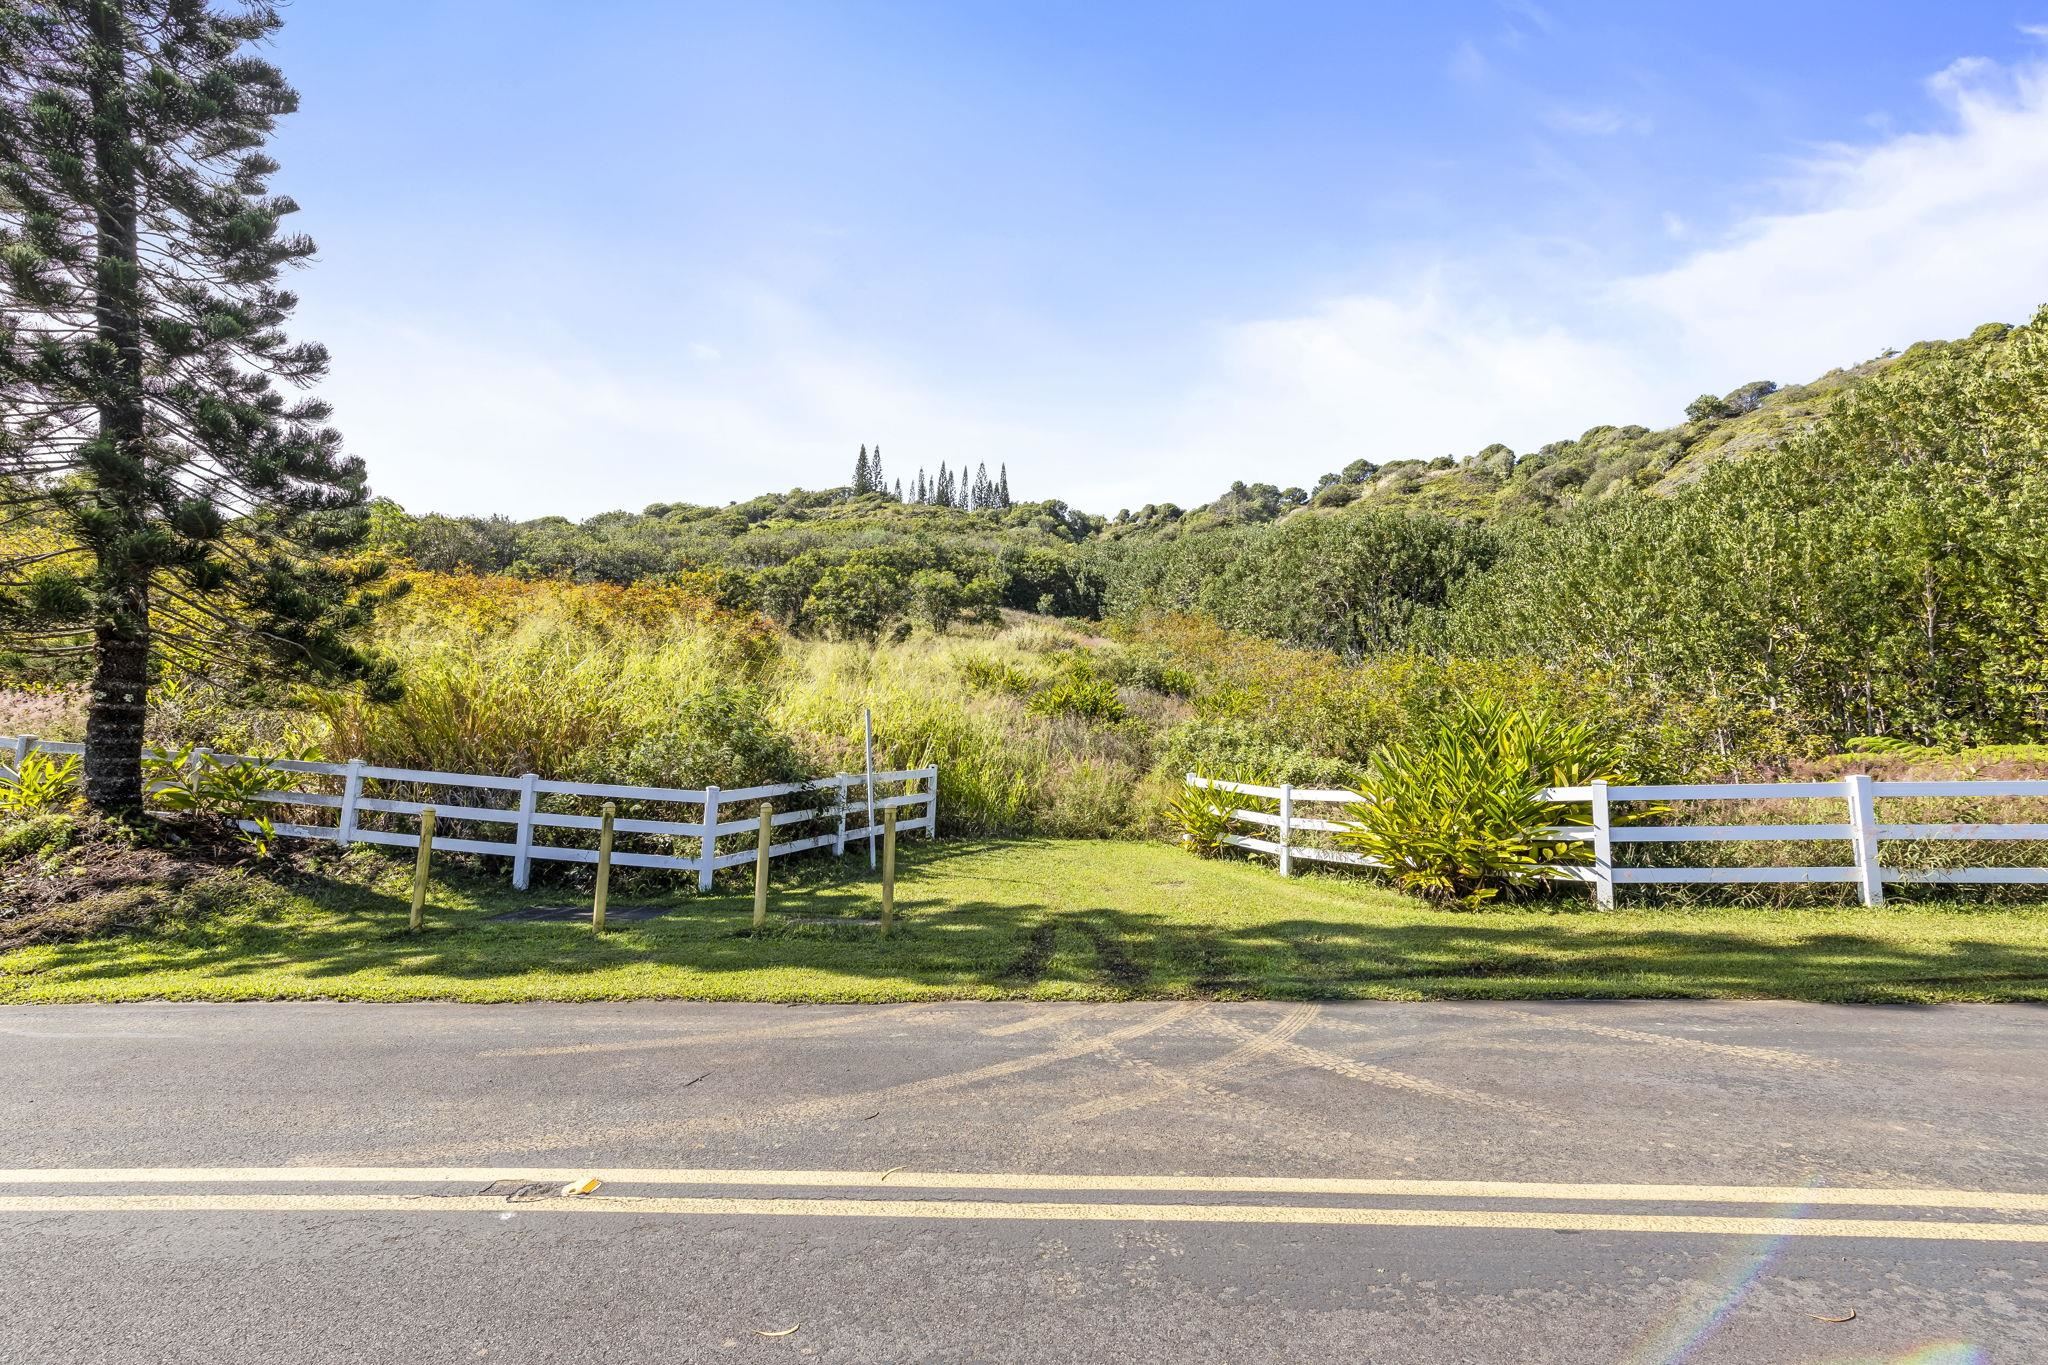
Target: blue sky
(581, 257)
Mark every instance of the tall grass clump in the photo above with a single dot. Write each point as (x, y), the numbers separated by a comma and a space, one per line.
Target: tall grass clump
(629, 684)
(1007, 766)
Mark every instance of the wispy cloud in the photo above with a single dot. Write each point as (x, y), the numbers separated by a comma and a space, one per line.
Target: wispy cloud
(1918, 235)
(1468, 65)
(1906, 236)
(1598, 122)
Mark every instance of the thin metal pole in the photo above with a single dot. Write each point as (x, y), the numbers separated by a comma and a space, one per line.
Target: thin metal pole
(604, 867)
(867, 720)
(419, 872)
(761, 865)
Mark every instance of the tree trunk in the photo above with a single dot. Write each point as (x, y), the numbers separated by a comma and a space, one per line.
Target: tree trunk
(116, 711)
(120, 685)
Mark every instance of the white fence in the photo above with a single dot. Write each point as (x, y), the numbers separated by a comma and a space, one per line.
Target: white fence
(365, 790)
(1863, 831)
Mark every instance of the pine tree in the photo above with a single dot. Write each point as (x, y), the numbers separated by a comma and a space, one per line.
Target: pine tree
(191, 506)
(863, 477)
(899, 490)
(923, 490)
(944, 494)
(876, 484)
(1003, 489)
(984, 491)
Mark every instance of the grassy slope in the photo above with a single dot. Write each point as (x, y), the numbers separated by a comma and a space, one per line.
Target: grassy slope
(1042, 920)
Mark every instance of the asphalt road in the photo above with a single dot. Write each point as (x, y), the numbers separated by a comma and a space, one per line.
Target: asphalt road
(1647, 1183)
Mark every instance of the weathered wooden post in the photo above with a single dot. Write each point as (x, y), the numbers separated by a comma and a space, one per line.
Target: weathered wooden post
(761, 866)
(419, 873)
(888, 870)
(1602, 812)
(604, 867)
(1863, 832)
(1286, 829)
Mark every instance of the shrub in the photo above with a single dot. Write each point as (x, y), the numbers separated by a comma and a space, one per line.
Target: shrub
(1457, 814)
(37, 836)
(1200, 818)
(1079, 694)
(42, 784)
(985, 674)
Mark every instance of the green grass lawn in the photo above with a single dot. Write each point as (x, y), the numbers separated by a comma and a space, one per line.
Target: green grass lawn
(1044, 920)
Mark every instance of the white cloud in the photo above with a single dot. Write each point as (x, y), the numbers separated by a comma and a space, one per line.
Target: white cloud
(1921, 235)
(1468, 65)
(1593, 122)
(1925, 235)
(456, 422)
(1910, 236)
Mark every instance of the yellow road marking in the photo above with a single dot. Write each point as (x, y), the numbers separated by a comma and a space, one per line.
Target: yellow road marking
(1500, 1220)
(1796, 1195)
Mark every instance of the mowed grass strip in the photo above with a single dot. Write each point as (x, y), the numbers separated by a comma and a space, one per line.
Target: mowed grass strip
(1041, 920)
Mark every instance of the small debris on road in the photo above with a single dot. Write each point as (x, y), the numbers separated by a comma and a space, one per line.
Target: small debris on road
(764, 1332)
(582, 1186)
(688, 1084)
(1822, 1317)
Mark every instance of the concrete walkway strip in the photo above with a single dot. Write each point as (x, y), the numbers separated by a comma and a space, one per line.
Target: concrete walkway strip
(1496, 1220)
(1775, 1196)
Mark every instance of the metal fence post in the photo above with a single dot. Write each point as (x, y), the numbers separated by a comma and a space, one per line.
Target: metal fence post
(522, 860)
(707, 850)
(1863, 833)
(1286, 829)
(1603, 847)
(351, 793)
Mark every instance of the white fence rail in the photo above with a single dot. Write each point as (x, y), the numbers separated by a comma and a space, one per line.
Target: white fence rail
(1863, 832)
(824, 810)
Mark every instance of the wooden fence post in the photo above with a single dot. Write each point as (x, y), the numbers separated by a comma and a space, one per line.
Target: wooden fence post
(888, 870)
(1603, 847)
(522, 859)
(351, 794)
(419, 872)
(604, 867)
(761, 865)
(931, 806)
(1286, 829)
(1863, 832)
(708, 845)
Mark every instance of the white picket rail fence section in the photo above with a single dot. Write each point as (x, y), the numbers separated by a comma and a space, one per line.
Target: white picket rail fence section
(833, 798)
(1862, 831)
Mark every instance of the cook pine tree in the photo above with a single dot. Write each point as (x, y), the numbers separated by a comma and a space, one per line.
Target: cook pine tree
(170, 493)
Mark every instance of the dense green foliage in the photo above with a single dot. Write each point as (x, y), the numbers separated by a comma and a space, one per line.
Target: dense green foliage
(835, 563)
(1357, 584)
(169, 498)
(1458, 812)
(1883, 573)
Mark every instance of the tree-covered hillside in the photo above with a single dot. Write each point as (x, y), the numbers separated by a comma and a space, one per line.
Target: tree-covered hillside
(1856, 556)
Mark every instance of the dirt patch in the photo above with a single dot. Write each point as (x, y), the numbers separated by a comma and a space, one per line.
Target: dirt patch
(1031, 963)
(1116, 963)
(66, 877)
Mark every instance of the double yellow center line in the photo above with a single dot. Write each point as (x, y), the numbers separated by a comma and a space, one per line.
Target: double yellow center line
(1497, 1205)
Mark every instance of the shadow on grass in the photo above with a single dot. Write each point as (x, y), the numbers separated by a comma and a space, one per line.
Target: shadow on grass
(1315, 946)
